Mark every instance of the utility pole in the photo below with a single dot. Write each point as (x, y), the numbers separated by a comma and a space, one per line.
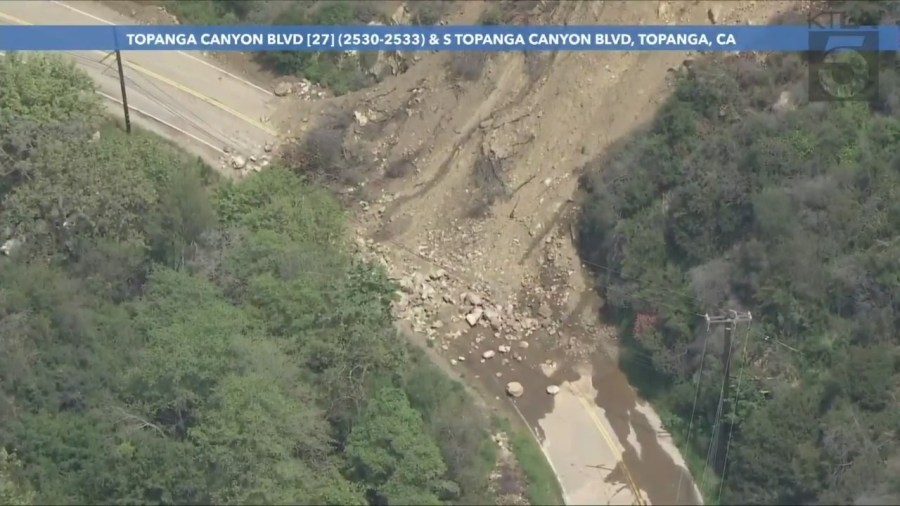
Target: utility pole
(124, 96)
(730, 320)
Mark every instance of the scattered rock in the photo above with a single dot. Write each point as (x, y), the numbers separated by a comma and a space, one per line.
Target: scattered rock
(361, 119)
(493, 317)
(10, 246)
(283, 89)
(488, 354)
(661, 8)
(426, 291)
(267, 148)
(552, 389)
(438, 275)
(714, 14)
(401, 16)
(523, 345)
(453, 361)
(549, 368)
(474, 299)
(515, 389)
(503, 348)
(238, 162)
(402, 302)
(406, 284)
(544, 311)
(96, 136)
(785, 102)
(473, 317)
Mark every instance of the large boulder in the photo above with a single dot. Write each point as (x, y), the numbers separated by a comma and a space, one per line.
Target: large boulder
(283, 89)
(515, 389)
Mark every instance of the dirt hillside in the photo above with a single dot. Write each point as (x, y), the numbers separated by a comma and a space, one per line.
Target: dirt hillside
(471, 198)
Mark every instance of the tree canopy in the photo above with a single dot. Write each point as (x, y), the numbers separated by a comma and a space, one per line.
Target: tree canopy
(169, 338)
(744, 195)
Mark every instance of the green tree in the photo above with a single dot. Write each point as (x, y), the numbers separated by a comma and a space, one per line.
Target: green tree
(158, 346)
(45, 89)
(389, 452)
(12, 490)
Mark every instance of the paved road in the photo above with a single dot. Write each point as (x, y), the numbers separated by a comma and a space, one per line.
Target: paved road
(210, 106)
(206, 108)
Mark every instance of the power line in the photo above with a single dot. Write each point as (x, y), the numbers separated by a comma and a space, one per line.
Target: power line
(737, 393)
(218, 136)
(694, 407)
(730, 321)
(173, 109)
(713, 437)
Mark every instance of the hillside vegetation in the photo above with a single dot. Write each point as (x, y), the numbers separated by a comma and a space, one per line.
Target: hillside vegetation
(743, 195)
(167, 338)
(339, 71)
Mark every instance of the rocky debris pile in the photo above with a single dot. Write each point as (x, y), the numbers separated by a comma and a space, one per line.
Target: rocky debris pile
(444, 307)
(303, 88)
(431, 303)
(245, 165)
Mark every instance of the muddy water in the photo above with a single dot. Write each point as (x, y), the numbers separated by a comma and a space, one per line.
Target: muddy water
(646, 458)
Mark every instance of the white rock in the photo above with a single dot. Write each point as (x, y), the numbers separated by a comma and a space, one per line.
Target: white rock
(426, 291)
(503, 348)
(282, 89)
(238, 162)
(785, 102)
(473, 317)
(493, 317)
(553, 390)
(402, 302)
(523, 345)
(453, 361)
(406, 285)
(10, 246)
(488, 354)
(515, 389)
(474, 299)
(361, 119)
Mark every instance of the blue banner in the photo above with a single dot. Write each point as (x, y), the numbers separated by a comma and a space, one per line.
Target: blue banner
(447, 38)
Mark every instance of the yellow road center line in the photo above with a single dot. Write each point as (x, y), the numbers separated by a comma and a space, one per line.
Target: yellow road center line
(163, 122)
(186, 55)
(196, 94)
(612, 443)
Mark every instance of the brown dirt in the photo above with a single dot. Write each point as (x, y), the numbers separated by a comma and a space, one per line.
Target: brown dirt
(526, 128)
(487, 192)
